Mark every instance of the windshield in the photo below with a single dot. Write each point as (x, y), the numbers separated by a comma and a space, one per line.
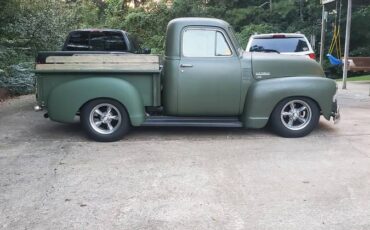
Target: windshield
(282, 45)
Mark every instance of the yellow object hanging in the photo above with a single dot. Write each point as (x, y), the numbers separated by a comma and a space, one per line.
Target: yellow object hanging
(335, 42)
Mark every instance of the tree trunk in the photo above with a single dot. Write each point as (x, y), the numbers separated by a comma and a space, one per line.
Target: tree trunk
(301, 5)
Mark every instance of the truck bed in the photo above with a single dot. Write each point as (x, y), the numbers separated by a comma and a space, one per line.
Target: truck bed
(141, 71)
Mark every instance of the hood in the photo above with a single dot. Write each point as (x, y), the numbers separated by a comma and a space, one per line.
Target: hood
(273, 65)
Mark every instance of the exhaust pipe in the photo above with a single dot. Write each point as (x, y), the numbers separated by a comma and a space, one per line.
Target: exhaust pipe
(46, 115)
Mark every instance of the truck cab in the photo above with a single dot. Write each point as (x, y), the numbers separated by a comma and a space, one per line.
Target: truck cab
(203, 64)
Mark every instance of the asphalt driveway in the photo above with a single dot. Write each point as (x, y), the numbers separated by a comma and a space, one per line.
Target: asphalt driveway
(52, 177)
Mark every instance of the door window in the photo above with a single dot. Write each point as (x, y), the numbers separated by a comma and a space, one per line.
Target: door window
(204, 43)
(222, 48)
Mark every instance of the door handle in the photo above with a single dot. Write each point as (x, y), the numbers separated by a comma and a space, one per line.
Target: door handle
(186, 65)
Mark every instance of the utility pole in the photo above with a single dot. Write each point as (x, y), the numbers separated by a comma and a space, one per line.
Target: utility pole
(270, 5)
(301, 9)
(323, 29)
(346, 46)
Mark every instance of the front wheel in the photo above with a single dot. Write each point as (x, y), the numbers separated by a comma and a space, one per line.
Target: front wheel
(295, 117)
(105, 120)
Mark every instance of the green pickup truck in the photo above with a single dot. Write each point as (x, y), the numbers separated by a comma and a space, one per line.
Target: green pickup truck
(204, 79)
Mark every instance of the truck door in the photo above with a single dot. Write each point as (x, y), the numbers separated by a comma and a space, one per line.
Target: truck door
(209, 74)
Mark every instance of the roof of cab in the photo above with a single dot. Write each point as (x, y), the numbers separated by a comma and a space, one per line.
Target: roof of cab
(194, 21)
(175, 27)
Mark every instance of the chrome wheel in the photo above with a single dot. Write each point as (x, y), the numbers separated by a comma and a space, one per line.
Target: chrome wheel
(105, 118)
(296, 115)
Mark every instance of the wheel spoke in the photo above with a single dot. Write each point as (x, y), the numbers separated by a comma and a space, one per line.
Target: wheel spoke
(302, 120)
(109, 110)
(290, 123)
(100, 113)
(287, 113)
(302, 109)
(291, 106)
(110, 127)
(98, 123)
(114, 117)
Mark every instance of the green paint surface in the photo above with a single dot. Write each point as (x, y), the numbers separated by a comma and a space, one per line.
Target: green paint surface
(244, 85)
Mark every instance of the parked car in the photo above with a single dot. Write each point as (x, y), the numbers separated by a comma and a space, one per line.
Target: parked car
(102, 40)
(283, 43)
(207, 80)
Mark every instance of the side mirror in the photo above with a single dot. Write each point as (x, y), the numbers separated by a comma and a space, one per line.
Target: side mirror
(147, 50)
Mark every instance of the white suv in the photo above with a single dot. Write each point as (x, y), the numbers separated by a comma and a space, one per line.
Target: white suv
(283, 43)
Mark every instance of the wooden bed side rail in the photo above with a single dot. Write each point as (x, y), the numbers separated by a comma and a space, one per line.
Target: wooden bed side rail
(101, 62)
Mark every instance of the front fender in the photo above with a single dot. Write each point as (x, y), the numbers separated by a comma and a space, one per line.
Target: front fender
(66, 99)
(264, 95)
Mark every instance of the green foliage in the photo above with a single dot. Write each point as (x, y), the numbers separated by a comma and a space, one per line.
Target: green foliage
(42, 24)
(21, 80)
(251, 29)
(149, 25)
(188, 8)
(28, 26)
(360, 33)
(86, 14)
(362, 78)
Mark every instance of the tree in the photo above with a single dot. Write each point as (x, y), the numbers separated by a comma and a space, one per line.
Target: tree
(360, 32)
(251, 29)
(133, 3)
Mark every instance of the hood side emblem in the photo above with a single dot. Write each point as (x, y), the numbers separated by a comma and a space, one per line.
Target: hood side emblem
(262, 74)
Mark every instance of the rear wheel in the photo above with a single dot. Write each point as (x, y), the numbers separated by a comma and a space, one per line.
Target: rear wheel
(105, 120)
(295, 117)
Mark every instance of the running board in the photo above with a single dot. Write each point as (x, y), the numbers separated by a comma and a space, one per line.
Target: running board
(231, 122)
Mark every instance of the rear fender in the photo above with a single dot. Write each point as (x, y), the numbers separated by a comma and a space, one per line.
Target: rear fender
(264, 95)
(66, 99)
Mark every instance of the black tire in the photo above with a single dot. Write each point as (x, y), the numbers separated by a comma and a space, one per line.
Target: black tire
(288, 122)
(102, 124)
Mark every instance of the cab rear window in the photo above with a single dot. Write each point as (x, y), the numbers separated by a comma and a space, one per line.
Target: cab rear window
(282, 45)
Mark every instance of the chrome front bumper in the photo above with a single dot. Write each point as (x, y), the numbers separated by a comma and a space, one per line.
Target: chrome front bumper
(335, 112)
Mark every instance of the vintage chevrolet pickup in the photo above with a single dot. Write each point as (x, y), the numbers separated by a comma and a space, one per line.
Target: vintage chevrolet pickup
(206, 80)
